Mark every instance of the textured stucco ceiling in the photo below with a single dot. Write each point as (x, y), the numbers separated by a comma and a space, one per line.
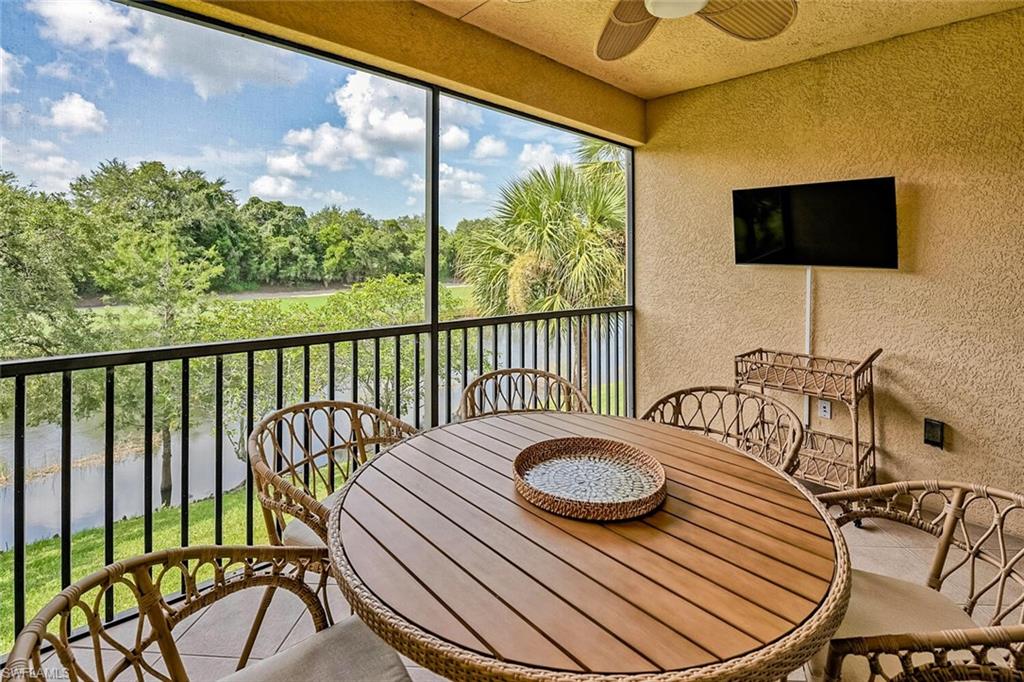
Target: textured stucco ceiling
(687, 53)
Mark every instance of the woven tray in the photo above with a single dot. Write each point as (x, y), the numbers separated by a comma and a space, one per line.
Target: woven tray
(590, 478)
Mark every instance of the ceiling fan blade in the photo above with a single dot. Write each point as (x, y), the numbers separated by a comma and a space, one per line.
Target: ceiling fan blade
(627, 27)
(750, 19)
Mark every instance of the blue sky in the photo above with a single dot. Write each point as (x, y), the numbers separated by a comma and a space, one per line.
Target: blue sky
(83, 81)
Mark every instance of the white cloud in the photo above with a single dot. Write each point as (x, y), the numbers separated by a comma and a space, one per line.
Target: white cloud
(382, 111)
(12, 115)
(76, 114)
(280, 188)
(209, 158)
(61, 70)
(541, 155)
(490, 147)
(383, 122)
(38, 163)
(457, 112)
(453, 183)
(84, 23)
(168, 48)
(12, 68)
(283, 163)
(276, 187)
(390, 166)
(328, 146)
(43, 146)
(454, 138)
(333, 196)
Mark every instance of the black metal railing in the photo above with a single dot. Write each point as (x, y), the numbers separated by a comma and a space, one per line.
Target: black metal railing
(223, 388)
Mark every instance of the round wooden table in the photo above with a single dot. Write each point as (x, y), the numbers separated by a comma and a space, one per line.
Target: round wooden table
(741, 574)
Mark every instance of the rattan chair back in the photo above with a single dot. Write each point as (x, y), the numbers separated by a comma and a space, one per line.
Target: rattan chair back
(752, 422)
(72, 623)
(973, 550)
(304, 452)
(520, 389)
(975, 555)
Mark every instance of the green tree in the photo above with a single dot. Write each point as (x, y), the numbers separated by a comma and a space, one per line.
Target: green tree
(597, 157)
(557, 242)
(288, 251)
(46, 248)
(200, 214)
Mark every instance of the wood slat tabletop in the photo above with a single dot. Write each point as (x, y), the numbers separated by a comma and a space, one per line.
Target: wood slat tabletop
(445, 559)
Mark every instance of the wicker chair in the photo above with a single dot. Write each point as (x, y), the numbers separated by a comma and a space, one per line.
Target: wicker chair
(348, 650)
(520, 389)
(750, 421)
(896, 629)
(301, 453)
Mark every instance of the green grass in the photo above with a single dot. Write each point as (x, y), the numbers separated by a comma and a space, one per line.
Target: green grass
(463, 297)
(607, 392)
(42, 558)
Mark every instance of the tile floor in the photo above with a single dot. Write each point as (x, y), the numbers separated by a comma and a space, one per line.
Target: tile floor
(210, 641)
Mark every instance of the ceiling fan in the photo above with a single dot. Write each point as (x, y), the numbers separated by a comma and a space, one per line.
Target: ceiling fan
(632, 21)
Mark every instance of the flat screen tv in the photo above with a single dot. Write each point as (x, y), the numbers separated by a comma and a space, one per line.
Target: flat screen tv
(851, 223)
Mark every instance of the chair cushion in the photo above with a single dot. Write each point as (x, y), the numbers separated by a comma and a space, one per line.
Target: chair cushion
(880, 605)
(298, 534)
(348, 651)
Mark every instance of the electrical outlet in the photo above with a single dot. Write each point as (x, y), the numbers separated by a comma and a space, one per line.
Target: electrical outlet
(825, 409)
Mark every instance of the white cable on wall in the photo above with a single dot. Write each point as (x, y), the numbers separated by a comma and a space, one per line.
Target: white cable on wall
(808, 329)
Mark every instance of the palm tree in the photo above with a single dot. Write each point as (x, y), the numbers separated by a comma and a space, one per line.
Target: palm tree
(597, 157)
(556, 242)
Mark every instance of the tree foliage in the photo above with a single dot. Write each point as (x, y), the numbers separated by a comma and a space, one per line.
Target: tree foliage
(556, 242)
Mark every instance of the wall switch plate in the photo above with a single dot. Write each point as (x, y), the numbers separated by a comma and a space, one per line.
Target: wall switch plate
(934, 433)
(825, 409)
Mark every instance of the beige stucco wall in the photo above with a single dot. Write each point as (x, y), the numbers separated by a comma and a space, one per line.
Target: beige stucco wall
(413, 40)
(943, 111)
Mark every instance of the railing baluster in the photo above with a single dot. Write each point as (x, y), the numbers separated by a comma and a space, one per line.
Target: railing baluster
(398, 377)
(568, 348)
(306, 436)
(580, 351)
(448, 376)
(279, 401)
(494, 347)
(354, 390)
(184, 452)
(147, 457)
(508, 346)
(534, 363)
(108, 484)
(465, 357)
(331, 389)
(250, 413)
(65, 480)
(376, 372)
(218, 451)
(19, 504)
(558, 358)
(607, 363)
(618, 368)
(417, 378)
(479, 350)
(547, 345)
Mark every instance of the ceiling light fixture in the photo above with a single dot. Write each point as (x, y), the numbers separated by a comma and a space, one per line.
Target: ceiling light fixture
(674, 9)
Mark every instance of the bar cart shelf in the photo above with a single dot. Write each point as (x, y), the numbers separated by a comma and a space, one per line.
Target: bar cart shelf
(831, 460)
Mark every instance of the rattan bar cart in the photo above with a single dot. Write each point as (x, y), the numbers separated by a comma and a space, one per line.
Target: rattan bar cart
(828, 459)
